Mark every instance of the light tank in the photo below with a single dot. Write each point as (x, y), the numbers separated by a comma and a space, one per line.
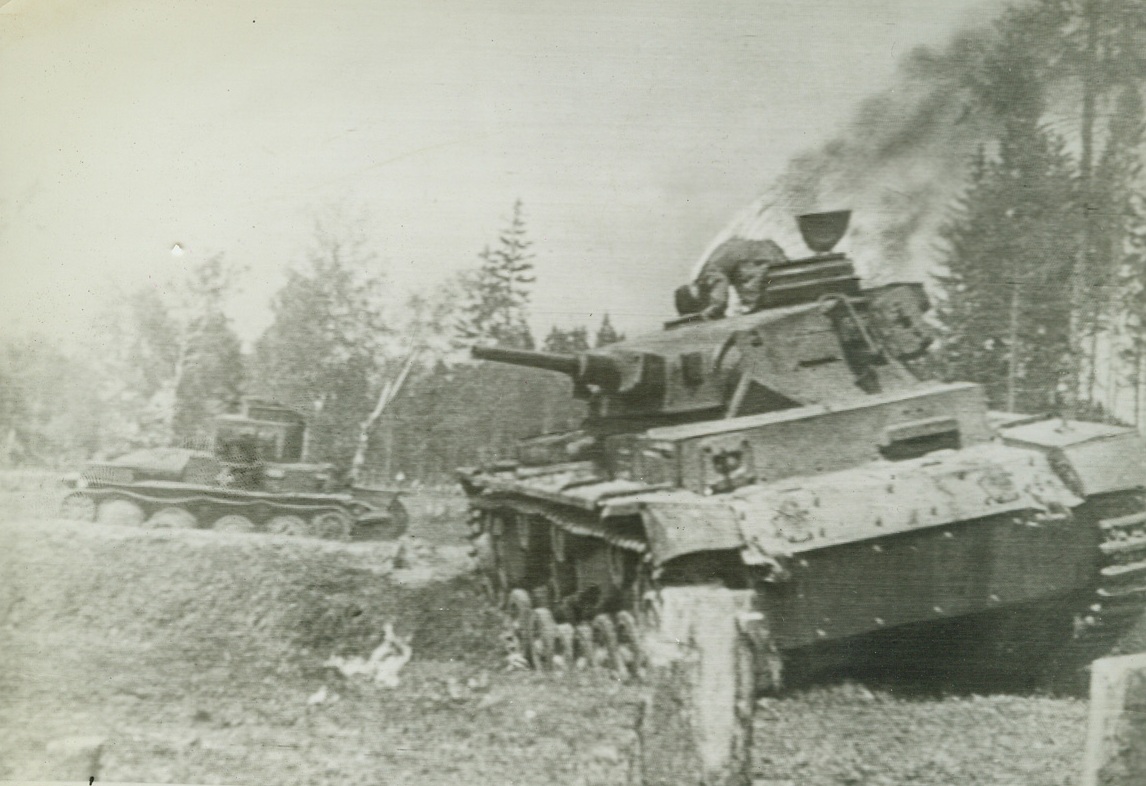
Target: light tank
(883, 521)
(252, 481)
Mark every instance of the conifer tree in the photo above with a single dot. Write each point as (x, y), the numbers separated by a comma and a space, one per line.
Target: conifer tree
(607, 334)
(1005, 313)
(1094, 47)
(497, 294)
(1126, 241)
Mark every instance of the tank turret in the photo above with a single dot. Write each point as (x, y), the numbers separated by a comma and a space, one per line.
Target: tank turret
(826, 341)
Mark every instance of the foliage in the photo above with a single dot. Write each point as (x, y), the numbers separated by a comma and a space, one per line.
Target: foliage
(497, 293)
(136, 343)
(165, 361)
(459, 413)
(1125, 235)
(322, 354)
(1005, 314)
(607, 334)
(567, 341)
(208, 366)
(46, 410)
(1094, 48)
(153, 370)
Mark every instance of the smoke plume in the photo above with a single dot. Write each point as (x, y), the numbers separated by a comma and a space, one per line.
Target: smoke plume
(898, 165)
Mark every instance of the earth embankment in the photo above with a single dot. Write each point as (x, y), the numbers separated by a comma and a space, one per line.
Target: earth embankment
(201, 657)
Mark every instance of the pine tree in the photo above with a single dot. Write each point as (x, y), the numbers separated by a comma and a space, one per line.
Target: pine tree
(1096, 47)
(1005, 315)
(1126, 239)
(497, 294)
(607, 334)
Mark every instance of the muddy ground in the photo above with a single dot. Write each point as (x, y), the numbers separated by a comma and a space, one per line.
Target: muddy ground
(199, 658)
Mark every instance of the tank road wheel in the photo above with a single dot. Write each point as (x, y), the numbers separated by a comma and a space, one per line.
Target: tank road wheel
(486, 562)
(564, 647)
(501, 587)
(233, 522)
(78, 506)
(558, 543)
(646, 603)
(523, 528)
(121, 512)
(583, 646)
(396, 523)
(541, 596)
(562, 594)
(520, 608)
(510, 559)
(287, 525)
(616, 559)
(605, 649)
(542, 639)
(629, 643)
(172, 518)
(330, 525)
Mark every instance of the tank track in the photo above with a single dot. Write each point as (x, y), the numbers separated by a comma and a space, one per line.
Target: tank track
(133, 507)
(549, 625)
(1111, 624)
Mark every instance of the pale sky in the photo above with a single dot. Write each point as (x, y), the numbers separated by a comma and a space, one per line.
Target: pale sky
(632, 131)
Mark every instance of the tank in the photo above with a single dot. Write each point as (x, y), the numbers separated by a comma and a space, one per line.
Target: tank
(882, 520)
(252, 481)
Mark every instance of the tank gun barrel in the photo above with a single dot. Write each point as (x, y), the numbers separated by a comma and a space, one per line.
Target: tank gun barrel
(550, 361)
(586, 368)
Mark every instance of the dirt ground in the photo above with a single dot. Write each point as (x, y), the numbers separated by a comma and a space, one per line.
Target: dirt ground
(199, 658)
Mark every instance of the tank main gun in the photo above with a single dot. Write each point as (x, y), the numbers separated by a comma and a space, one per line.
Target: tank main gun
(549, 361)
(606, 372)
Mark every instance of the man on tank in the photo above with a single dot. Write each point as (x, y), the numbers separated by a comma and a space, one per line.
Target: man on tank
(738, 263)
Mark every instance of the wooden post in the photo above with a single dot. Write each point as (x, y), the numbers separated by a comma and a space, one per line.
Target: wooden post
(696, 724)
(1116, 742)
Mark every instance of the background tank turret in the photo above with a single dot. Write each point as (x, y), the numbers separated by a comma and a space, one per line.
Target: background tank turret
(792, 450)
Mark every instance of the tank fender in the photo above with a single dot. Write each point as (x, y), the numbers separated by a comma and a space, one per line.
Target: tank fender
(1092, 458)
(676, 525)
(887, 498)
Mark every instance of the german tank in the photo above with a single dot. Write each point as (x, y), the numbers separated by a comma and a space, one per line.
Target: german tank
(253, 481)
(882, 520)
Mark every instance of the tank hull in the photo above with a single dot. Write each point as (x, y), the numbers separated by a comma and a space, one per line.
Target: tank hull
(1012, 556)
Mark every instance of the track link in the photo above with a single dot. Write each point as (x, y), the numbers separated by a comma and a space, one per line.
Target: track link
(553, 633)
(1108, 624)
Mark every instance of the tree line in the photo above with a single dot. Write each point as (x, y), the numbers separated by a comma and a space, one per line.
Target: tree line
(157, 368)
(1041, 295)
(1042, 292)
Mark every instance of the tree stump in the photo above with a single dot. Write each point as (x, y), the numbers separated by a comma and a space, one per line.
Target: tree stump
(696, 723)
(1116, 742)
